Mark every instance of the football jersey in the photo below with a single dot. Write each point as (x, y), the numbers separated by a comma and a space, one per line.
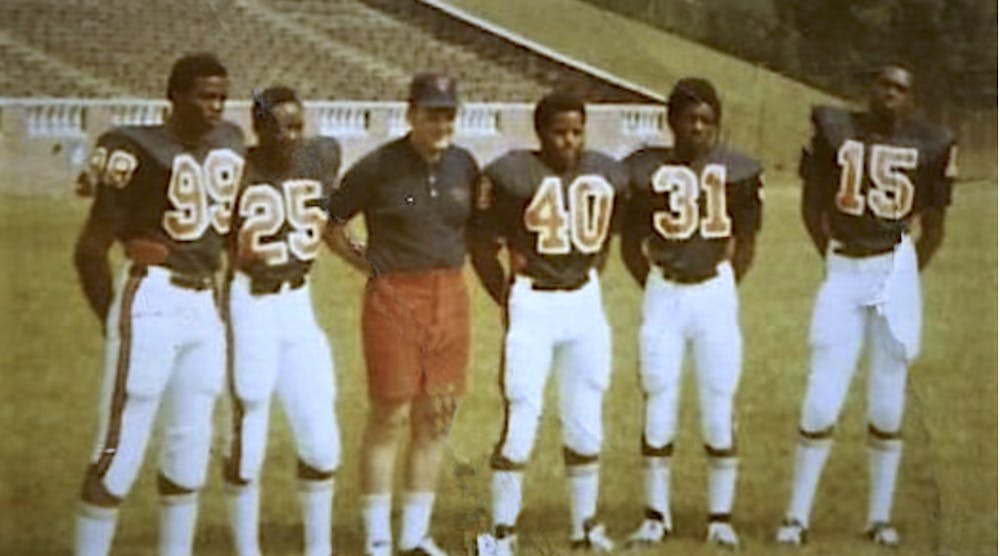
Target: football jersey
(151, 185)
(870, 185)
(280, 218)
(554, 224)
(687, 212)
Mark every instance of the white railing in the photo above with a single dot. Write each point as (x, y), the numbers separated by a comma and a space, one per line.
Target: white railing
(139, 112)
(337, 119)
(643, 121)
(55, 117)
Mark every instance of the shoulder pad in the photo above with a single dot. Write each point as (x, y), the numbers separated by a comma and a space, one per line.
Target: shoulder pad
(934, 138)
(644, 153)
(834, 125)
(604, 164)
(507, 163)
(323, 148)
(739, 167)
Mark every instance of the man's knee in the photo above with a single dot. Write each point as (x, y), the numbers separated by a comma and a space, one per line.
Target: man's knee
(388, 420)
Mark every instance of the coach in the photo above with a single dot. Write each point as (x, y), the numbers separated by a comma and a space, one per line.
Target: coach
(415, 194)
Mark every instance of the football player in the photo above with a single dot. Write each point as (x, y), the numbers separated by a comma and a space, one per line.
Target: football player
(276, 345)
(867, 178)
(694, 214)
(166, 193)
(553, 211)
(415, 193)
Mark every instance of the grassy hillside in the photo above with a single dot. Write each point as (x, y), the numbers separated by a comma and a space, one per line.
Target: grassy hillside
(50, 351)
(764, 112)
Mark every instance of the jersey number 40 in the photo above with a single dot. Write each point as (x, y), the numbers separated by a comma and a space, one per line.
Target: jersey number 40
(684, 187)
(891, 196)
(584, 225)
(202, 194)
(266, 209)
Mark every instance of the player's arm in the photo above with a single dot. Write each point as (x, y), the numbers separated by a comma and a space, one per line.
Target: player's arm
(931, 235)
(485, 241)
(747, 209)
(90, 257)
(634, 230)
(933, 211)
(814, 196)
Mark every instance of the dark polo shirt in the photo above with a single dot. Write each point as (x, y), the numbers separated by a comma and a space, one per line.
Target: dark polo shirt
(416, 212)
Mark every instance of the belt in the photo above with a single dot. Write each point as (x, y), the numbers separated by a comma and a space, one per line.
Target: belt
(858, 252)
(196, 282)
(192, 281)
(543, 286)
(265, 286)
(672, 275)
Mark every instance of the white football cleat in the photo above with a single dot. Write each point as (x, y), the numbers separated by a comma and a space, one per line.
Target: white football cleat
(883, 533)
(650, 532)
(490, 545)
(594, 539)
(792, 533)
(722, 534)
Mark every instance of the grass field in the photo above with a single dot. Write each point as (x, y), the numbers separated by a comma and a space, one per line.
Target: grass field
(946, 503)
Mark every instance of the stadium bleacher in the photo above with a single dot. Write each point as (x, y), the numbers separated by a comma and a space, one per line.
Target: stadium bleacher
(335, 49)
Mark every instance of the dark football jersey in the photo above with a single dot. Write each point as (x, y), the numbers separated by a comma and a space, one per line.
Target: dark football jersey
(556, 225)
(279, 215)
(688, 212)
(870, 185)
(150, 185)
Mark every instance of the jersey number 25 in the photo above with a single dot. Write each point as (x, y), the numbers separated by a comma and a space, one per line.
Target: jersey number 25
(267, 208)
(584, 225)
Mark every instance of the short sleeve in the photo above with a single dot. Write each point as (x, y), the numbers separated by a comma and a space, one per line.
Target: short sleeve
(745, 205)
(113, 165)
(352, 196)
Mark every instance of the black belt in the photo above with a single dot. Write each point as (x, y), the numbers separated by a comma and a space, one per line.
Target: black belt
(196, 282)
(687, 277)
(859, 252)
(264, 286)
(192, 281)
(543, 286)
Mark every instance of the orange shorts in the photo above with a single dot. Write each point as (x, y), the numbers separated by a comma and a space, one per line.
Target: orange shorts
(416, 332)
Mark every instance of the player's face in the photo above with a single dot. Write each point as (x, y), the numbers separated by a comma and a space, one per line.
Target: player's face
(891, 92)
(286, 129)
(562, 139)
(431, 129)
(695, 128)
(200, 107)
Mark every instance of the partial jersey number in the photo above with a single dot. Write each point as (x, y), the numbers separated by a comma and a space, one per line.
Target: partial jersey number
(584, 225)
(202, 194)
(684, 187)
(266, 209)
(891, 197)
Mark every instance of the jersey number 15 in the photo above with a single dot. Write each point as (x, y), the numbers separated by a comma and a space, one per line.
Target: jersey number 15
(891, 196)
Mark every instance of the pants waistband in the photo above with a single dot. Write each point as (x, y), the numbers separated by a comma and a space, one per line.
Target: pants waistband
(187, 281)
(686, 278)
(260, 285)
(860, 252)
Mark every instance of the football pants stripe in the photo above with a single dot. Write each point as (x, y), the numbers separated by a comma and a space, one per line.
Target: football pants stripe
(231, 465)
(118, 395)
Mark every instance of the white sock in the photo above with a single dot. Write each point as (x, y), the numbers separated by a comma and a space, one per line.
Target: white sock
(721, 484)
(316, 499)
(95, 529)
(178, 515)
(656, 474)
(244, 516)
(583, 486)
(376, 511)
(417, 508)
(883, 466)
(810, 457)
(506, 486)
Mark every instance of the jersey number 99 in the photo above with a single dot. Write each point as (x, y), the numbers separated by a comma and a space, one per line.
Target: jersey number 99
(202, 194)
(267, 208)
(584, 225)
